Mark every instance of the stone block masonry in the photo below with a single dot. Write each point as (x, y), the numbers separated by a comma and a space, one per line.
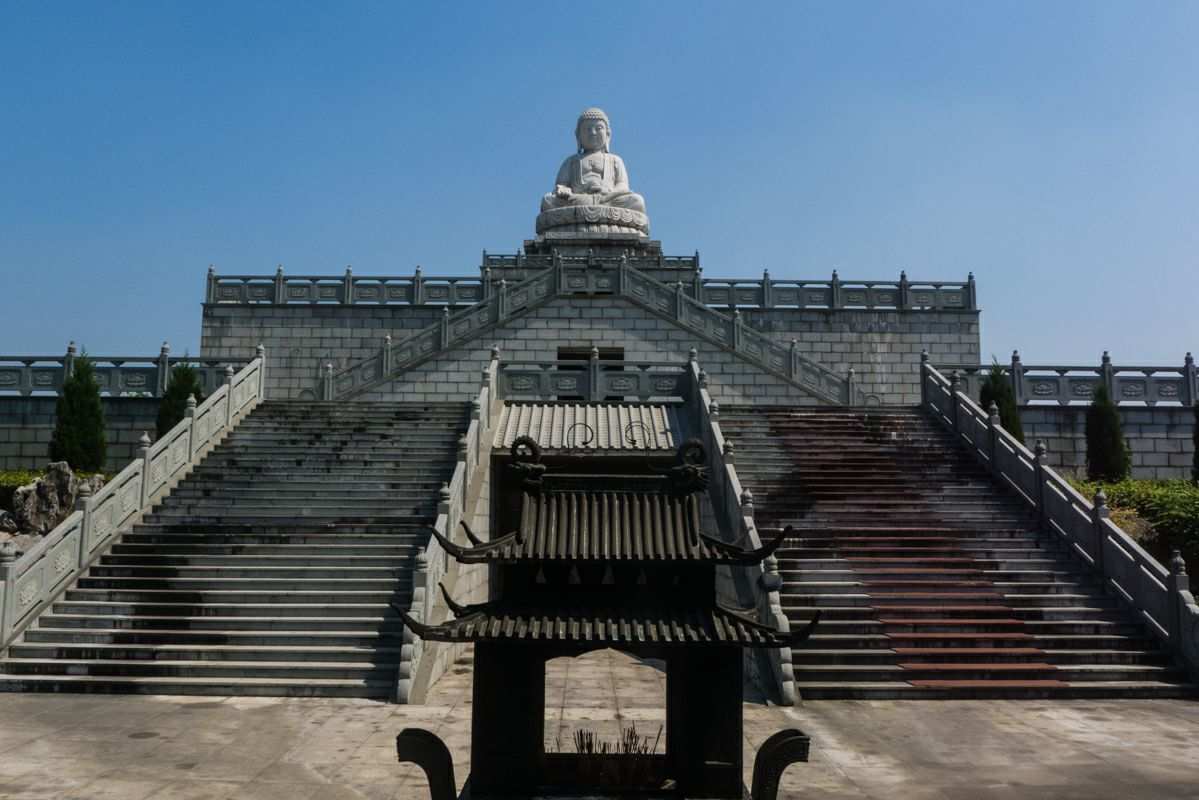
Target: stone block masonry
(1160, 438)
(27, 425)
(882, 346)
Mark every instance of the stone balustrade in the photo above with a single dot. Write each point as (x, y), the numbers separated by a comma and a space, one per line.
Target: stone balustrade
(592, 380)
(728, 331)
(433, 562)
(30, 581)
(1159, 595)
(732, 293)
(1036, 384)
(143, 376)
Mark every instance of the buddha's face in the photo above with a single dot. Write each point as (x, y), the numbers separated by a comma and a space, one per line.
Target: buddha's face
(593, 134)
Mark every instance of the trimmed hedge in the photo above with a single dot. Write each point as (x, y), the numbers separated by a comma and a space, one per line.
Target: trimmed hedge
(1108, 456)
(79, 420)
(11, 480)
(1171, 507)
(997, 388)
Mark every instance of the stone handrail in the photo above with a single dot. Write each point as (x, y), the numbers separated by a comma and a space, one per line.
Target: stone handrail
(618, 279)
(1064, 385)
(28, 583)
(1155, 593)
(116, 375)
(593, 380)
(733, 507)
(764, 293)
(433, 561)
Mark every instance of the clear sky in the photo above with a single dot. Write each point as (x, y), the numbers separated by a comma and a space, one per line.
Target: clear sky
(1050, 147)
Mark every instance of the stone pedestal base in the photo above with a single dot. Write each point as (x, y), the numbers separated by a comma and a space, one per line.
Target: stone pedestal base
(591, 222)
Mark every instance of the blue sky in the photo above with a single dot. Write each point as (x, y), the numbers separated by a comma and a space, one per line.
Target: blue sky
(1052, 148)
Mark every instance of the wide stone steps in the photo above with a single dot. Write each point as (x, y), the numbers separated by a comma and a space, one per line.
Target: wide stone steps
(932, 581)
(275, 568)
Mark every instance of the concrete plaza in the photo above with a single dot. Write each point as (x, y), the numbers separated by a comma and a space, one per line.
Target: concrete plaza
(95, 747)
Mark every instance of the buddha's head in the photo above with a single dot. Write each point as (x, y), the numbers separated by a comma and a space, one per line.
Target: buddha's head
(593, 131)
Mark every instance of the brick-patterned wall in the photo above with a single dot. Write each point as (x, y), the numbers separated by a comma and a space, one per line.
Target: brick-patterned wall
(27, 424)
(883, 347)
(1159, 437)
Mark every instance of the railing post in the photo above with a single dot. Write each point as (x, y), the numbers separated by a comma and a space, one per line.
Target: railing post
(83, 505)
(1016, 376)
(849, 387)
(678, 300)
(737, 323)
(593, 375)
(698, 280)
(189, 414)
(747, 503)
(445, 328)
(971, 293)
(905, 300)
(1108, 375)
(385, 355)
(164, 370)
(418, 287)
(1099, 516)
(1039, 452)
(327, 383)
(835, 286)
(228, 395)
(1177, 583)
(923, 378)
(622, 274)
(280, 286)
(260, 352)
(347, 292)
(143, 452)
(210, 285)
(8, 594)
(994, 423)
(955, 383)
(766, 298)
(730, 453)
(486, 282)
(794, 365)
(503, 300)
(68, 363)
(1190, 388)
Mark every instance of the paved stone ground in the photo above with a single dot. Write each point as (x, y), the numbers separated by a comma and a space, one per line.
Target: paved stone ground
(95, 747)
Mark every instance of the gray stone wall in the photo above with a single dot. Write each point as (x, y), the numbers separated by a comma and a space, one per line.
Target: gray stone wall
(883, 347)
(27, 425)
(1159, 437)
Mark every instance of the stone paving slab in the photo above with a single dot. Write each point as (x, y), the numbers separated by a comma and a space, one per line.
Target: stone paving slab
(93, 747)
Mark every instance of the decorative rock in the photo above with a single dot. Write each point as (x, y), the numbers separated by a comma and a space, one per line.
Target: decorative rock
(8, 523)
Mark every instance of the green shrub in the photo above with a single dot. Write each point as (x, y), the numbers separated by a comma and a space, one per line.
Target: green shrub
(1108, 458)
(997, 388)
(184, 383)
(10, 481)
(79, 420)
(1171, 507)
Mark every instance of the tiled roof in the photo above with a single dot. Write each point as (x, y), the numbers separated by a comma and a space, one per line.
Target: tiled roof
(593, 427)
(619, 626)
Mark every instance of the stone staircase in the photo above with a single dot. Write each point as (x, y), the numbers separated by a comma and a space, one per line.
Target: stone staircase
(270, 570)
(932, 580)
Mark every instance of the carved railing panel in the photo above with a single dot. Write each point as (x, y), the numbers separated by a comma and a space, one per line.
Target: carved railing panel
(141, 376)
(593, 380)
(31, 580)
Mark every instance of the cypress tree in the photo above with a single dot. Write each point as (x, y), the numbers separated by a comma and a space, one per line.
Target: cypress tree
(184, 383)
(79, 421)
(1108, 458)
(1195, 439)
(997, 388)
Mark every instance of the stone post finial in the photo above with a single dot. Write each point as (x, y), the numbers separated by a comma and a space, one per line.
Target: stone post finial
(228, 373)
(191, 406)
(83, 495)
(993, 413)
(443, 494)
(1015, 356)
(1189, 359)
(703, 378)
(1178, 565)
(71, 349)
(260, 351)
(143, 444)
(692, 355)
(8, 552)
(730, 452)
(594, 353)
(924, 356)
(714, 410)
(211, 270)
(165, 350)
(1107, 357)
(1101, 509)
(903, 274)
(747, 502)
(495, 352)
(955, 381)
(279, 270)
(1040, 450)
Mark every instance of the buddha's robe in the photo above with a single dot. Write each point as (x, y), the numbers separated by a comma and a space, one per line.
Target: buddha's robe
(595, 179)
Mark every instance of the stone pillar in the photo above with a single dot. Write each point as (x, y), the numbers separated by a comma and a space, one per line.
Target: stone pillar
(347, 289)
(1190, 389)
(1099, 516)
(905, 299)
(280, 286)
(143, 452)
(1016, 376)
(1108, 375)
(164, 370)
(229, 395)
(418, 286)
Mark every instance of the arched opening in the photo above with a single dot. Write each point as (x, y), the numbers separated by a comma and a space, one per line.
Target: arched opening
(605, 698)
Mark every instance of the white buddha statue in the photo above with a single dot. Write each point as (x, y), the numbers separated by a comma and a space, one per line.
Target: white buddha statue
(591, 193)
